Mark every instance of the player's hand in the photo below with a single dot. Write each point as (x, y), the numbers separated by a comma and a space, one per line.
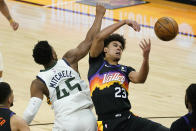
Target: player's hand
(100, 9)
(133, 24)
(145, 45)
(14, 25)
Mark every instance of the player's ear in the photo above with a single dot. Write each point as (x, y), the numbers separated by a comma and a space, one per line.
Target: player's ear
(11, 99)
(105, 49)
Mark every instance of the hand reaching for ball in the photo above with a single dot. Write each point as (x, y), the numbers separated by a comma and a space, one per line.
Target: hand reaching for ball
(133, 24)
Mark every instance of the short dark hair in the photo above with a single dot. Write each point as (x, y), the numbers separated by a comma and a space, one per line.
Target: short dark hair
(42, 53)
(115, 37)
(5, 92)
(191, 95)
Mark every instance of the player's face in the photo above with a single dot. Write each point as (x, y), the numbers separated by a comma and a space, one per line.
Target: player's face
(114, 50)
(54, 54)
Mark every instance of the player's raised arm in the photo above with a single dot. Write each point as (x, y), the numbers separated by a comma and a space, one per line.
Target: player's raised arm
(98, 42)
(140, 77)
(5, 11)
(74, 55)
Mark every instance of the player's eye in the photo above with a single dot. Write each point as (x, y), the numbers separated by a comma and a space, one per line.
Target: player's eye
(115, 45)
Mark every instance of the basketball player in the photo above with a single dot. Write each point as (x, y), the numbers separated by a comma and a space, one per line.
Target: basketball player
(61, 83)
(9, 121)
(5, 11)
(187, 122)
(109, 81)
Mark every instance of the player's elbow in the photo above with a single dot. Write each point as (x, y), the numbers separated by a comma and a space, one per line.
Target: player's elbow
(142, 81)
(99, 37)
(139, 81)
(28, 116)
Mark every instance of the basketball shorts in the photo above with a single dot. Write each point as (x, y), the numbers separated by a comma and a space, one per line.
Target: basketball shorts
(127, 121)
(82, 120)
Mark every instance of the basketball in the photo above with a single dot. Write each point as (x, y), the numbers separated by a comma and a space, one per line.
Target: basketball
(166, 28)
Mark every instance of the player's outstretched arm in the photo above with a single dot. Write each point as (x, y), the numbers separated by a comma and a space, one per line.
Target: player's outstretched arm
(98, 42)
(140, 77)
(5, 11)
(35, 102)
(18, 124)
(74, 55)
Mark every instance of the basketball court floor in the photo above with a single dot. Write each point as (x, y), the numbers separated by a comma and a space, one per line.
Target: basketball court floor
(64, 23)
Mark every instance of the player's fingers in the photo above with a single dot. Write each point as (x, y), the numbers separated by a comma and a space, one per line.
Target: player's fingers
(149, 41)
(144, 45)
(98, 3)
(145, 41)
(15, 25)
(141, 46)
(135, 26)
(139, 27)
(142, 42)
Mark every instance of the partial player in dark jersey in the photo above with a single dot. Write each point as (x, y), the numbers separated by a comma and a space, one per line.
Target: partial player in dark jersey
(8, 119)
(109, 81)
(187, 122)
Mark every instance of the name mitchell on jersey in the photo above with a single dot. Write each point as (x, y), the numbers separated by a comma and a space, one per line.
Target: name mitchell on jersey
(59, 76)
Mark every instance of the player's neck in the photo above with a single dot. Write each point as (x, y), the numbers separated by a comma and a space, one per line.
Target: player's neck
(51, 63)
(190, 107)
(4, 106)
(111, 62)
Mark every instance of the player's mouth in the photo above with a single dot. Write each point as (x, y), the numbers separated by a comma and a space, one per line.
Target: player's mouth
(117, 53)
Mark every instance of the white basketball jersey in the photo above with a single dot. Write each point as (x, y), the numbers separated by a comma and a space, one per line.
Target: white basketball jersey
(67, 92)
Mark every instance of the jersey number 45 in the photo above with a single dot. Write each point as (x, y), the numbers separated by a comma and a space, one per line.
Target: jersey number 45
(64, 92)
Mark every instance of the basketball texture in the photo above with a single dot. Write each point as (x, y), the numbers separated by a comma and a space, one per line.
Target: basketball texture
(166, 28)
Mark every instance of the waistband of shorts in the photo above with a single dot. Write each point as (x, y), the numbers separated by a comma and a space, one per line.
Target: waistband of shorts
(114, 115)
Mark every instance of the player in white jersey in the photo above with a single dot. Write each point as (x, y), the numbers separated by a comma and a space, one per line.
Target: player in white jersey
(61, 83)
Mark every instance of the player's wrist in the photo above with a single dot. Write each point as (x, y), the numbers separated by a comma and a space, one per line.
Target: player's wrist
(11, 20)
(129, 22)
(100, 15)
(146, 58)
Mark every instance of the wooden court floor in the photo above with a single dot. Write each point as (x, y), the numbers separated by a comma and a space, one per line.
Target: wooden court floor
(172, 64)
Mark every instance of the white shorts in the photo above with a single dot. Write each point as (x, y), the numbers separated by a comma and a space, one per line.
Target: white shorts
(82, 120)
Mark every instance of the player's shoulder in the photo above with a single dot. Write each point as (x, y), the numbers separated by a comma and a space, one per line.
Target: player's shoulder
(17, 123)
(126, 68)
(179, 125)
(37, 83)
(16, 120)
